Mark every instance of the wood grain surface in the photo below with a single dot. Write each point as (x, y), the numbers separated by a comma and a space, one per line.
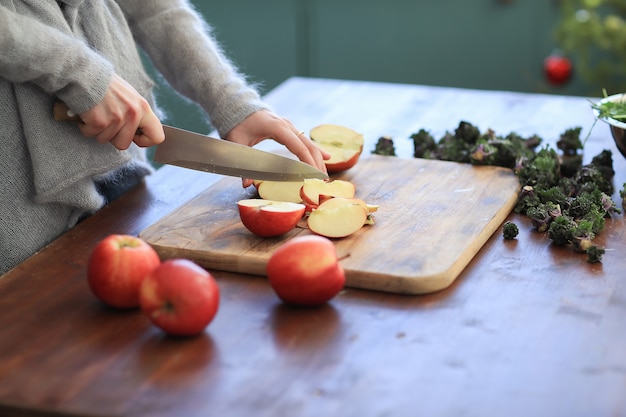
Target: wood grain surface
(434, 217)
(527, 329)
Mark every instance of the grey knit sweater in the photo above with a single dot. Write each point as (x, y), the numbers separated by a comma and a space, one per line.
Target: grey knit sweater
(69, 50)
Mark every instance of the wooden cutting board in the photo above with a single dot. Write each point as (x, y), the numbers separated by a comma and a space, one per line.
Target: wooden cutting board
(434, 216)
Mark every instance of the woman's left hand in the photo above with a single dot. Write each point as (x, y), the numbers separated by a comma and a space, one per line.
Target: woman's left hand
(264, 124)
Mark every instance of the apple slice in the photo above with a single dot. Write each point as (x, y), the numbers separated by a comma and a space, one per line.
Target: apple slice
(267, 218)
(280, 190)
(342, 143)
(369, 208)
(313, 188)
(338, 217)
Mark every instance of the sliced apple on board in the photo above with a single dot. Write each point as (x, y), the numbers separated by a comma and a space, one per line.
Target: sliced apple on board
(267, 218)
(313, 189)
(280, 190)
(342, 143)
(338, 217)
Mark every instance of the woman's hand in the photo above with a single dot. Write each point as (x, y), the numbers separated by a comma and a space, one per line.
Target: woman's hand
(264, 124)
(123, 116)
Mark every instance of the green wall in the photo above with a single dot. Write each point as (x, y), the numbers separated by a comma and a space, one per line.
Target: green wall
(484, 44)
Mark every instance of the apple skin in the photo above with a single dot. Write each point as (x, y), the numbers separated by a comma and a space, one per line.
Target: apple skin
(116, 267)
(335, 167)
(305, 271)
(180, 297)
(266, 218)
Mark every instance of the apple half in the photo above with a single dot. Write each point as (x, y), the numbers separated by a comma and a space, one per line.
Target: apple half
(342, 143)
(315, 189)
(268, 218)
(338, 217)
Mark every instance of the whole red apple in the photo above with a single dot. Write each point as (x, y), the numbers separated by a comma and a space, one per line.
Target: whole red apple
(116, 267)
(305, 271)
(558, 69)
(180, 297)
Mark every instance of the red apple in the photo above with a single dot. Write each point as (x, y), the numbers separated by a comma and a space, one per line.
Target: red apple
(179, 297)
(558, 69)
(267, 218)
(305, 271)
(342, 143)
(116, 267)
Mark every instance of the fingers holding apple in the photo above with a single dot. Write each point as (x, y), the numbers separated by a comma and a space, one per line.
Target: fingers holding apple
(305, 271)
(116, 267)
(180, 297)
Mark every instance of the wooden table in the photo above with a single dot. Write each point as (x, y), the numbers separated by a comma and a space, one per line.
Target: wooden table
(527, 329)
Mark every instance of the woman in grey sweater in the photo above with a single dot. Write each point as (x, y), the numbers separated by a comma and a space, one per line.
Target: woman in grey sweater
(84, 52)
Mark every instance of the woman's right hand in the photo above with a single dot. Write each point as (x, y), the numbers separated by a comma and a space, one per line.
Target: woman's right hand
(123, 116)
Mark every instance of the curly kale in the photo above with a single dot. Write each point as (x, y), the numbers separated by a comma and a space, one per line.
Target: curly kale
(424, 145)
(604, 163)
(452, 148)
(561, 230)
(543, 214)
(467, 132)
(510, 230)
(590, 178)
(506, 151)
(587, 201)
(527, 198)
(385, 146)
(562, 197)
(558, 195)
(540, 170)
(569, 142)
(594, 254)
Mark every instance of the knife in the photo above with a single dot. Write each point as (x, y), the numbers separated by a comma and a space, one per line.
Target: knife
(193, 150)
(203, 153)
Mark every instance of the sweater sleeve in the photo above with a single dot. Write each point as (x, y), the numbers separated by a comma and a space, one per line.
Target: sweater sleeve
(179, 43)
(58, 63)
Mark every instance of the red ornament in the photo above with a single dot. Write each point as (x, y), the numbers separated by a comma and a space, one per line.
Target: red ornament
(558, 69)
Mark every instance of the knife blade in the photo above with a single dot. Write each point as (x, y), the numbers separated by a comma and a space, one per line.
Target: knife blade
(204, 153)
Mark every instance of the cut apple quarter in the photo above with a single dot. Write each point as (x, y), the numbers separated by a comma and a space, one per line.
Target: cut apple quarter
(313, 189)
(344, 145)
(338, 217)
(268, 218)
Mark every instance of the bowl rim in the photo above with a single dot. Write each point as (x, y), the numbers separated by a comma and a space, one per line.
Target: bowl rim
(609, 120)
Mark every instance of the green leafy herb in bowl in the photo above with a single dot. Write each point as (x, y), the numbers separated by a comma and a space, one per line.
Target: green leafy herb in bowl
(611, 107)
(612, 110)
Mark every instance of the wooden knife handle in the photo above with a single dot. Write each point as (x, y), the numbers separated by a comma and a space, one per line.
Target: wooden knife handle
(62, 113)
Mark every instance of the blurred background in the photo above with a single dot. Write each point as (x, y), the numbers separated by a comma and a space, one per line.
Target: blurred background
(569, 47)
